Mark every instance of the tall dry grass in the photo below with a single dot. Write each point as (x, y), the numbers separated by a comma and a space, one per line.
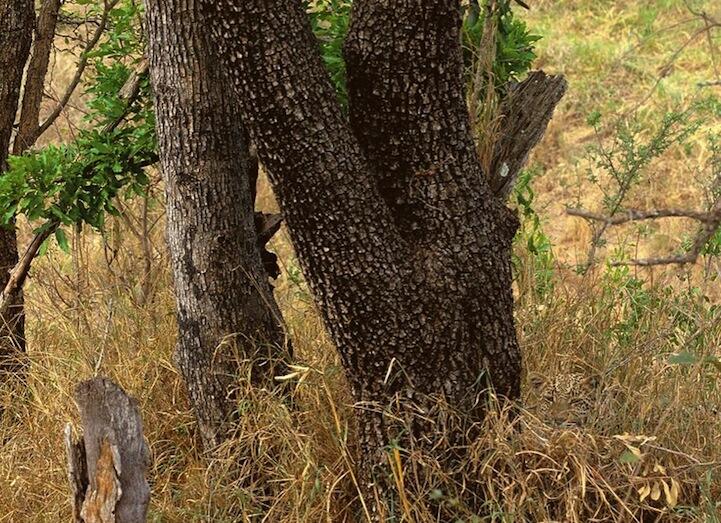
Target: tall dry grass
(297, 465)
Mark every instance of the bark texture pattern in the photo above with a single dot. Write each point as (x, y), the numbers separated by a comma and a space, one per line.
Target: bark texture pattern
(225, 307)
(526, 112)
(402, 242)
(16, 27)
(408, 111)
(29, 126)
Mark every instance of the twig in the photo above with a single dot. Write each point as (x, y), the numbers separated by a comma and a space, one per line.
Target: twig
(710, 83)
(631, 215)
(710, 220)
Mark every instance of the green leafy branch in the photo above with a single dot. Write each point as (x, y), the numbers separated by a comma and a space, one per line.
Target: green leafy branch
(78, 182)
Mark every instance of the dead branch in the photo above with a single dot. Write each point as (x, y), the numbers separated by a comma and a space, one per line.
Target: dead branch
(107, 466)
(710, 83)
(710, 223)
(526, 113)
(631, 215)
(705, 233)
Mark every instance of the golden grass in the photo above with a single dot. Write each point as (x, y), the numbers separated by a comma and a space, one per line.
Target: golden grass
(652, 423)
(538, 473)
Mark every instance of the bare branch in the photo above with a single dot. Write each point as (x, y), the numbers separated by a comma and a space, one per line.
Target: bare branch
(711, 221)
(631, 215)
(82, 63)
(704, 234)
(711, 83)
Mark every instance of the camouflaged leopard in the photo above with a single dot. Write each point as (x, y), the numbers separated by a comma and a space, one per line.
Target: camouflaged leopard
(563, 399)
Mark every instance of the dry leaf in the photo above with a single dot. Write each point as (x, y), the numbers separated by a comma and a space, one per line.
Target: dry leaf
(655, 491)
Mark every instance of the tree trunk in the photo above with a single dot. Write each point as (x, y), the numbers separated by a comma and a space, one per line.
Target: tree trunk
(225, 305)
(16, 27)
(402, 242)
(408, 111)
(29, 125)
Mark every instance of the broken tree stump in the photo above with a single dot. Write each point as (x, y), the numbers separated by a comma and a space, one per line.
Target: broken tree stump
(526, 111)
(107, 465)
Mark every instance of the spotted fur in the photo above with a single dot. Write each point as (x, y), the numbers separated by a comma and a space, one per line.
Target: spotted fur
(563, 399)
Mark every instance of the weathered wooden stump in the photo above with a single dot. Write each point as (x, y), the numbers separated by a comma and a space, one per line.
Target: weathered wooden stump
(107, 465)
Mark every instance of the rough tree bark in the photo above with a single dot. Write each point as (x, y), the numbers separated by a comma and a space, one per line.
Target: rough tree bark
(29, 125)
(16, 27)
(401, 238)
(224, 300)
(526, 112)
(405, 248)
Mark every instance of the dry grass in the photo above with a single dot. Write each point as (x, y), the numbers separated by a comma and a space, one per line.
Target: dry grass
(652, 422)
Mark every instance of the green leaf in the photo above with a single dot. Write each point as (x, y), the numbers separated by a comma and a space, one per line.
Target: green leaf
(62, 240)
(44, 247)
(629, 457)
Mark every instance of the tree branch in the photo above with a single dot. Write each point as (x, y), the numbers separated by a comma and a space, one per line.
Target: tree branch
(526, 113)
(129, 92)
(710, 220)
(710, 83)
(20, 272)
(631, 215)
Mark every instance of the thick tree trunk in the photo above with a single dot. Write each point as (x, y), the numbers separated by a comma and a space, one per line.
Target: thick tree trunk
(16, 28)
(402, 242)
(225, 306)
(408, 110)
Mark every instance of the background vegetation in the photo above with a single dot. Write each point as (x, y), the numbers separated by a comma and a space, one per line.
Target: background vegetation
(648, 446)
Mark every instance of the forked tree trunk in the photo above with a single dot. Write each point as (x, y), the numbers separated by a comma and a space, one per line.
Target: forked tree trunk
(402, 242)
(16, 28)
(225, 307)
